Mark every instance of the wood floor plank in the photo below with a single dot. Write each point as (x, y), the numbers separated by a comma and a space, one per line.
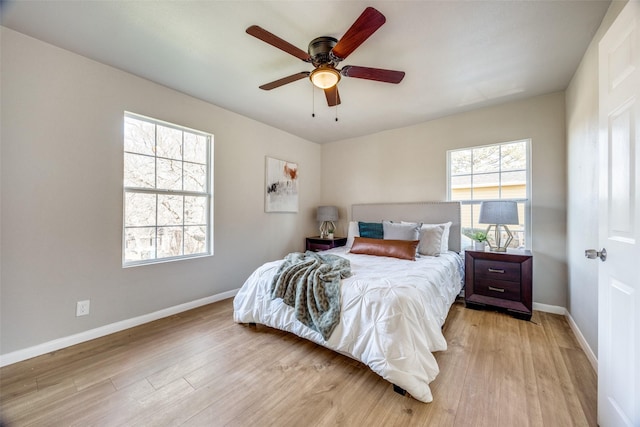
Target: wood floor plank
(531, 392)
(200, 368)
(54, 412)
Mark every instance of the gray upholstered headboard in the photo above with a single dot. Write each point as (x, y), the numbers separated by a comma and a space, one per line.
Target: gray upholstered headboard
(426, 212)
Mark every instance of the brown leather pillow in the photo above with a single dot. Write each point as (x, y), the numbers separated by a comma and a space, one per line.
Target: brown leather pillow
(403, 249)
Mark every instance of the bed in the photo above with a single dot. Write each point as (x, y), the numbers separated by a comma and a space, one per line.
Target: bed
(391, 310)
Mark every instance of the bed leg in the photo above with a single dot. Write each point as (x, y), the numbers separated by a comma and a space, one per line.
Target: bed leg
(399, 390)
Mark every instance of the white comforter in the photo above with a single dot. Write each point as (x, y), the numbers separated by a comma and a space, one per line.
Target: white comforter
(391, 315)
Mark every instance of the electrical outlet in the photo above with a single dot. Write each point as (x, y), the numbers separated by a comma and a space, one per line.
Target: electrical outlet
(82, 308)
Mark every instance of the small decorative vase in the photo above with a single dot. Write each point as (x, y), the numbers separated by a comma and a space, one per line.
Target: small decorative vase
(478, 246)
(330, 236)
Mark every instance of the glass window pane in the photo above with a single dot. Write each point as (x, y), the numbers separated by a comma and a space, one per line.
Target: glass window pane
(486, 186)
(169, 143)
(139, 136)
(466, 218)
(140, 209)
(461, 187)
(475, 216)
(518, 230)
(486, 159)
(195, 210)
(195, 148)
(514, 156)
(195, 240)
(139, 244)
(195, 177)
(170, 210)
(139, 171)
(169, 174)
(169, 241)
(514, 185)
(460, 162)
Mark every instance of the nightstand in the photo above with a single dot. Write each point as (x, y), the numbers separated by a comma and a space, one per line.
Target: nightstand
(500, 280)
(317, 243)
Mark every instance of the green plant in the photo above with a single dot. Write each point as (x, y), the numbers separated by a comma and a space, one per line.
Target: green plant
(479, 236)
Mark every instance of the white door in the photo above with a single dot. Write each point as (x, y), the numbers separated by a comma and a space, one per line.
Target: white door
(619, 218)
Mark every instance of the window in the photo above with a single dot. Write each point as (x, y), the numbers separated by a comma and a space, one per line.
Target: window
(167, 192)
(491, 172)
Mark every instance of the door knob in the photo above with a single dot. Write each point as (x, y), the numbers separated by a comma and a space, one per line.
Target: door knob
(593, 254)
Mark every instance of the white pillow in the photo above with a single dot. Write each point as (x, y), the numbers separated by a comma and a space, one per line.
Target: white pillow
(400, 231)
(445, 235)
(354, 231)
(431, 237)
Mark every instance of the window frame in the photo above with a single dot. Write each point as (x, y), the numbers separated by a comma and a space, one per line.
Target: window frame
(527, 200)
(208, 194)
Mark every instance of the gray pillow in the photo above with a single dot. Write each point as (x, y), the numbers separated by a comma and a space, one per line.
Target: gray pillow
(431, 236)
(398, 231)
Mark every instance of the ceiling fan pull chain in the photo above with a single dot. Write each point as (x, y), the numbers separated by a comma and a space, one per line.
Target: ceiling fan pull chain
(313, 101)
(336, 105)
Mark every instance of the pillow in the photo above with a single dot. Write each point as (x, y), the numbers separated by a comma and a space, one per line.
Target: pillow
(353, 231)
(445, 236)
(372, 230)
(399, 231)
(431, 236)
(402, 249)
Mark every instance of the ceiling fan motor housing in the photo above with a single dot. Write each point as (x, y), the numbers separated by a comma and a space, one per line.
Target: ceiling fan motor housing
(320, 51)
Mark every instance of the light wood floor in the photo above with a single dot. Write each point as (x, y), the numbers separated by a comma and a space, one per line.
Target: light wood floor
(199, 368)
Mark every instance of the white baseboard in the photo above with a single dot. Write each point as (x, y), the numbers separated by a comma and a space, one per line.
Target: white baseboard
(57, 344)
(553, 309)
(583, 342)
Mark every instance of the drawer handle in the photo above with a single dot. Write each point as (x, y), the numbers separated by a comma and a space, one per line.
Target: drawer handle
(493, 270)
(491, 288)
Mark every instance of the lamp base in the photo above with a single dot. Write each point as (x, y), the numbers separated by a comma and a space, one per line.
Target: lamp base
(326, 228)
(498, 247)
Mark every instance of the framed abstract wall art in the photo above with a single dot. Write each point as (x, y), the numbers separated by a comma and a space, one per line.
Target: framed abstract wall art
(281, 189)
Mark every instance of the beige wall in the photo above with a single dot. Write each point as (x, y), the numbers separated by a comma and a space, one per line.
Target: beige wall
(582, 214)
(409, 164)
(61, 180)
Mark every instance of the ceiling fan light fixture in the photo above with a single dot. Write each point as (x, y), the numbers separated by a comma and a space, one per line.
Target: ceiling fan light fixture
(324, 77)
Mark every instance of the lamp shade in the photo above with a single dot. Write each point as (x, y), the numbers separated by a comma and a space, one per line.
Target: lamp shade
(327, 213)
(499, 212)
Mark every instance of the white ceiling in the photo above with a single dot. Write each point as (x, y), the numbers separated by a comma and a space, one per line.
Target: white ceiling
(457, 55)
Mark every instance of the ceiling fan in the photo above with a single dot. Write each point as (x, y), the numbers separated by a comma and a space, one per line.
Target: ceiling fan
(325, 53)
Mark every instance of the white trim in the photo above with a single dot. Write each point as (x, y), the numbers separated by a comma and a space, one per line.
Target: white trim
(583, 342)
(57, 344)
(553, 309)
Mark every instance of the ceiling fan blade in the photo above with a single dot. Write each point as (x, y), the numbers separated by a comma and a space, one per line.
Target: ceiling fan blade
(283, 81)
(273, 40)
(377, 74)
(366, 24)
(333, 97)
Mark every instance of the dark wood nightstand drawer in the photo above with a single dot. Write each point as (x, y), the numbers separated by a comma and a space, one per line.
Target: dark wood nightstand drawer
(498, 289)
(319, 244)
(314, 246)
(497, 270)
